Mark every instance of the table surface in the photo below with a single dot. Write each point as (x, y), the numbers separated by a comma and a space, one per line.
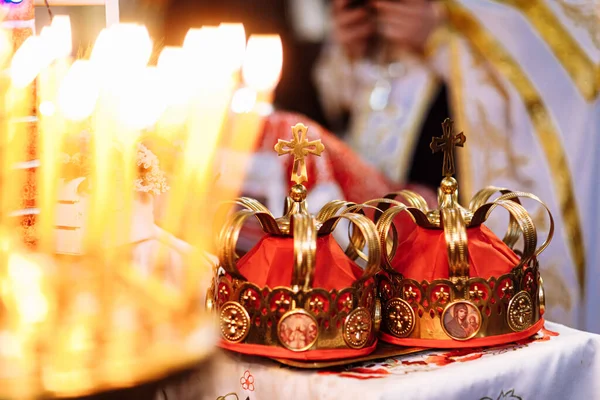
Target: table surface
(557, 363)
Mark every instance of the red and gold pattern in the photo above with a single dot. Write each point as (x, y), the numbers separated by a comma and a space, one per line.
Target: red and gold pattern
(18, 19)
(452, 283)
(297, 294)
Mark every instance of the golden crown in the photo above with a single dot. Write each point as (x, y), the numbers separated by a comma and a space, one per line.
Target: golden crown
(453, 306)
(298, 317)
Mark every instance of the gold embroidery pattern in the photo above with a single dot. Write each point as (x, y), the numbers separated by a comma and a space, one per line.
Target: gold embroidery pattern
(462, 122)
(584, 16)
(554, 282)
(490, 143)
(547, 132)
(565, 48)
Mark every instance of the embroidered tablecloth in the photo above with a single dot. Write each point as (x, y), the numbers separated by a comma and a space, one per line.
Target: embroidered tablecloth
(557, 363)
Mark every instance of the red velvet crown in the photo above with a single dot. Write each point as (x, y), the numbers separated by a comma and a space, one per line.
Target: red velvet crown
(297, 294)
(452, 282)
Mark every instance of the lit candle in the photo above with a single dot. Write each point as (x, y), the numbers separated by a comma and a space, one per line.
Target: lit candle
(27, 62)
(61, 26)
(120, 55)
(122, 47)
(212, 87)
(56, 45)
(250, 104)
(79, 91)
(261, 72)
(175, 74)
(233, 37)
(262, 64)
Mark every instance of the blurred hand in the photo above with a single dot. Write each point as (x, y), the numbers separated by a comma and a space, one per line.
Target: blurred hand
(408, 23)
(352, 28)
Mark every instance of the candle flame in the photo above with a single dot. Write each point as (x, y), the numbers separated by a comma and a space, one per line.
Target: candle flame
(61, 25)
(91, 116)
(141, 99)
(79, 91)
(263, 62)
(27, 62)
(176, 75)
(122, 47)
(233, 38)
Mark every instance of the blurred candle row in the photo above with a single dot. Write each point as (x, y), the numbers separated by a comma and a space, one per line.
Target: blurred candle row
(123, 50)
(210, 93)
(214, 77)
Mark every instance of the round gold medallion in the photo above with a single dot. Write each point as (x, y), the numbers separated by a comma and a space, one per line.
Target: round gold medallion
(399, 317)
(297, 330)
(234, 321)
(461, 320)
(357, 328)
(520, 312)
(377, 316)
(541, 297)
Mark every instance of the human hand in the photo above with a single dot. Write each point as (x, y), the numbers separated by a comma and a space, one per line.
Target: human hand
(352, 28)
(408, 23)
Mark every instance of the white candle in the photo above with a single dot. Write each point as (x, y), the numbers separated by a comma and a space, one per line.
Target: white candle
(57, 47)
(233, 37)
(212, 85)
(175, 75)
(263, 63)
(251, 103)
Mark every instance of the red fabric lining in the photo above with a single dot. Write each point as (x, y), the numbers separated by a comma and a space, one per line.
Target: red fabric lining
(456, 344)
(271, 261)
(424, 255)
(309, 355)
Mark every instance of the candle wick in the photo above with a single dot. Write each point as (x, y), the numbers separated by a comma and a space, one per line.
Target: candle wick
(49, 10)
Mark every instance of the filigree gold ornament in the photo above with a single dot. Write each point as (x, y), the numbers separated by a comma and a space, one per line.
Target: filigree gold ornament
(442, 295)
(316, 305)
(357, 328)
(476, 293)
(400, 317)
(235, 322)
(410, 294)
(520, 311)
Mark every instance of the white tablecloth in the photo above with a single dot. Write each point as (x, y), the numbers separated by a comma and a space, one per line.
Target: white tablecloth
(558, 363)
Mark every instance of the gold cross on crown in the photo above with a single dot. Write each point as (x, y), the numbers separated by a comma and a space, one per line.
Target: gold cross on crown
(300, 147)
(447, 143)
